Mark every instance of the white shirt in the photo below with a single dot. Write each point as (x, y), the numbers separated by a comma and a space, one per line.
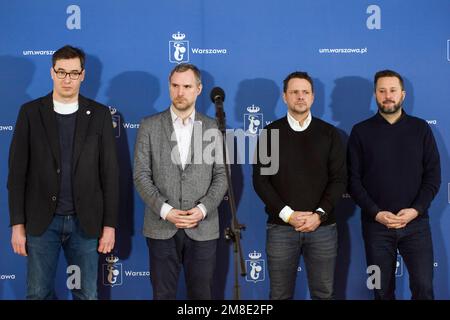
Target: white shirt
(295, 125)
(183, 131)
(65, 108)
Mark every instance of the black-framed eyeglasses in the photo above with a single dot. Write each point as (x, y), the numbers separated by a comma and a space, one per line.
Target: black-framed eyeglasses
(61, 74)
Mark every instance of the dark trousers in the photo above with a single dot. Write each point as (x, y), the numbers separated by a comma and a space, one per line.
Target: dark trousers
(284, 246)
(414, 244)
(198, 259)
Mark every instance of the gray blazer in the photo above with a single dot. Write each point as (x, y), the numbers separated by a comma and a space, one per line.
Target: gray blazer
(159, 176)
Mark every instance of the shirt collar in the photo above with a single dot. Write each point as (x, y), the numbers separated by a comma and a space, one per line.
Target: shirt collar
(295, 125)
(176, 118)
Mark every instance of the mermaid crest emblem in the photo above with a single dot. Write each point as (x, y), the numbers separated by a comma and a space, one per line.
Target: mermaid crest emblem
(178, 48)
(253, 121)
(255, 267)
(112, 271)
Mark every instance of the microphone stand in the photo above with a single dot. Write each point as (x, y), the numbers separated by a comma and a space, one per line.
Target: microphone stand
(232, 233)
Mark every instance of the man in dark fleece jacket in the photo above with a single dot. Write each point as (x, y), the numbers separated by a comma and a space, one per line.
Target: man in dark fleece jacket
(301, 195)
(394, 174)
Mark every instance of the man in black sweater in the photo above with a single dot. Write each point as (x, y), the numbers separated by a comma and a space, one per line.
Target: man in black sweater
(63, 182)
(394, 174)
(301, 195)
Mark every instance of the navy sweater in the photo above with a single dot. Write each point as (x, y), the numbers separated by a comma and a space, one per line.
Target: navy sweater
(393, 166)
(311, 173)
(66, 129)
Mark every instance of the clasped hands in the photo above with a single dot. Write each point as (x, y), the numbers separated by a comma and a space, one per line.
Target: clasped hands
(304, 221)
(185, 219)
(396, 221)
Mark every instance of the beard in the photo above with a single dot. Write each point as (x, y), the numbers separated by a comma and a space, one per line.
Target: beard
(389, 110)
(181, 104)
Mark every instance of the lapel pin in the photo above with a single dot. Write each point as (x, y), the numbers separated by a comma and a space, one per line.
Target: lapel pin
(88, 112)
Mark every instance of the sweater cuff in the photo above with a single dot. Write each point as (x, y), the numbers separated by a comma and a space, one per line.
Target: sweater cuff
(418, 208)
(373, 211)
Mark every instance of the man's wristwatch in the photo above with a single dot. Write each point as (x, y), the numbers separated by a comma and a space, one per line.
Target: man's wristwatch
(323, 216)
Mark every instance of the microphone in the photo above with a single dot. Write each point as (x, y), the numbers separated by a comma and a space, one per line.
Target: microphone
(217, 95)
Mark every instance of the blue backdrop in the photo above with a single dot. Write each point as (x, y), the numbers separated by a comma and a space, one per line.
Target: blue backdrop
(246, 47)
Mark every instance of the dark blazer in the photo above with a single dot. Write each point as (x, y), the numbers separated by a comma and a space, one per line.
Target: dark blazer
(34, 167)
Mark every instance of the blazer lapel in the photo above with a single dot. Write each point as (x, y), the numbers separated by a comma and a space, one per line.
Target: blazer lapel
(84, 115)
(170, 131)
(51, 126)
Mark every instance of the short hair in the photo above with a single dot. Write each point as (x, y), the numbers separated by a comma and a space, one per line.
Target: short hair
(69, 52)
(387, 73)
(183, 67)
(299, 75)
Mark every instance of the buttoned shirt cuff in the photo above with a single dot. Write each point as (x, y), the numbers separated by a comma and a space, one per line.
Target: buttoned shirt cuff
(165, 210)
(320, 209)
(286, 213)
(202, 208)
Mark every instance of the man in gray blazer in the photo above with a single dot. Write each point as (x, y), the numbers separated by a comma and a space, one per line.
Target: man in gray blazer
(180, 175)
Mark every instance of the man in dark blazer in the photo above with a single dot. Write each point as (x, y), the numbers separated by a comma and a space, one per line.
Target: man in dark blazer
(182, 184)
(63, 182)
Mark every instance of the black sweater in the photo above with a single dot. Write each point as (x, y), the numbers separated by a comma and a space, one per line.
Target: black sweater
(393, 166)
(311, 173)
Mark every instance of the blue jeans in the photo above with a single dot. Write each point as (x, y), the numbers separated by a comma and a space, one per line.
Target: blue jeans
(415, 246)
(43, 254)
(319, 249)
(166, 258)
